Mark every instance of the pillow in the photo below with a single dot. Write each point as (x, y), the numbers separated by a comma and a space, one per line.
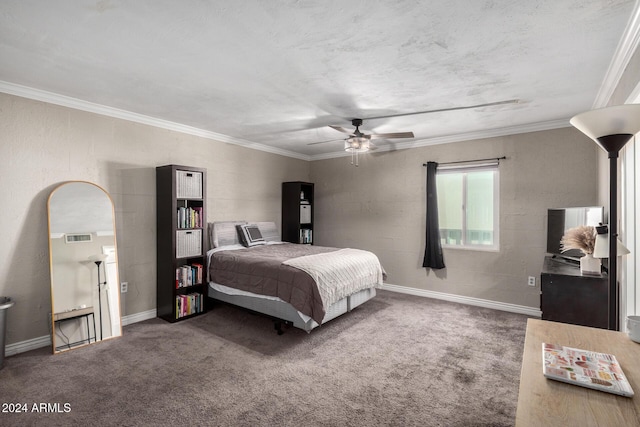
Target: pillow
(269, 231)
(250, 235)
(223, 233)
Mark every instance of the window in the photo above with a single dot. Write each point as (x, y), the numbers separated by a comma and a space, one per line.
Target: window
(468, 199)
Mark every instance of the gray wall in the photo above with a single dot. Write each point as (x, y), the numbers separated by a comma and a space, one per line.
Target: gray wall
(380, 206)
(42, 145)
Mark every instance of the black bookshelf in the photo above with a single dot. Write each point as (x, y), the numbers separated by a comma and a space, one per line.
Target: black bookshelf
(181, 243)
(297, 212)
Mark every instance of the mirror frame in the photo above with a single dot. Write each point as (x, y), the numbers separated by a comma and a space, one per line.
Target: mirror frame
(116, 333)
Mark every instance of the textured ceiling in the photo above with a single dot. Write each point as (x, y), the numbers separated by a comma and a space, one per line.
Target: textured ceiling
(276, 73)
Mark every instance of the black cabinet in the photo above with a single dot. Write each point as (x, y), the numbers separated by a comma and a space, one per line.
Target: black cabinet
(297, 212)
(570, 297)
(181, 252)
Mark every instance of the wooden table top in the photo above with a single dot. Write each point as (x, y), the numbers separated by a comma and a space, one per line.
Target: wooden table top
(72, 313)
(545, 402)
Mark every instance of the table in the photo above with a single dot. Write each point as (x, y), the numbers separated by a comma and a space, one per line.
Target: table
(545, 402)
(77, 314)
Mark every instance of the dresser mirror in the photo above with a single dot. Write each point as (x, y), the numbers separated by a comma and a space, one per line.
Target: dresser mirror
(85, 302)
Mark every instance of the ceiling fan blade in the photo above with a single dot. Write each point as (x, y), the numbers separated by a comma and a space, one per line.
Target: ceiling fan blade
(440, 110)
(322, 142)
(341, 129)
(392, 135)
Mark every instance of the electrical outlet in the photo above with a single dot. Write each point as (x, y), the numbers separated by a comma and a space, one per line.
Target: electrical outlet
(531, 281)
(124, 287)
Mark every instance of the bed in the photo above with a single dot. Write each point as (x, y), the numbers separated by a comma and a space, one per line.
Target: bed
(300, 285)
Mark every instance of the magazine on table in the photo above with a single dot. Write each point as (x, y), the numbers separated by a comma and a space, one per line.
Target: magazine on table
(599, 371)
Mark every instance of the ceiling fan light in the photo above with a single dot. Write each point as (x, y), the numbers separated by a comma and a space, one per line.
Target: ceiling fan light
(356, 143)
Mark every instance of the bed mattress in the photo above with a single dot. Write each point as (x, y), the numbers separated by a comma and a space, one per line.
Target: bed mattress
(261, 270)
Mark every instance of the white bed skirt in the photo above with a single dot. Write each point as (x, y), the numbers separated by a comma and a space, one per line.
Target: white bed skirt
(275, 307)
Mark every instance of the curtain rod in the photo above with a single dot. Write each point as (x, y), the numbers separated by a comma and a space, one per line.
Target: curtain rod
(470, 161)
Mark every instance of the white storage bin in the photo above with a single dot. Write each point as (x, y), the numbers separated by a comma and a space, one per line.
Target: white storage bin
(188, 243)
(188, 185)
(305, 214)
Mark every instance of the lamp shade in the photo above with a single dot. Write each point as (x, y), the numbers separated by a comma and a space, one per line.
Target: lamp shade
(601, 122)
(601, 248)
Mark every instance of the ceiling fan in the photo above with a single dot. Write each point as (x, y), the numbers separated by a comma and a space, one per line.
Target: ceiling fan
(359, 142)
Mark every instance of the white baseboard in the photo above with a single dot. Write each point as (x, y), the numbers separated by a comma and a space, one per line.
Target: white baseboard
(28, 345)
(138, 317)
(503, 306)
(45, 341)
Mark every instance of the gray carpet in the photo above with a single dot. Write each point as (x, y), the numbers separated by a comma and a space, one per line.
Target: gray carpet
(396, 360)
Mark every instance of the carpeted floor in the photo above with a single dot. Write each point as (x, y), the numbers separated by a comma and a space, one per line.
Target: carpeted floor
(397, 360)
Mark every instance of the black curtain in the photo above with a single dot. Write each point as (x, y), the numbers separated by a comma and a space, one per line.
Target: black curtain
(433, 250)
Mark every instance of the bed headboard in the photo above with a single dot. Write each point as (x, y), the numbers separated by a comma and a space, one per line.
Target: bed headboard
(224, 233)
(269, 231)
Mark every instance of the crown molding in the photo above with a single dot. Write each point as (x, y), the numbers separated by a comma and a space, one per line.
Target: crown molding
(469, 136)
(625, 50)
(78, 104)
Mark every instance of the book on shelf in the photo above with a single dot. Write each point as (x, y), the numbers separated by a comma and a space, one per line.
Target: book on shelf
(599, 371)
(197, 270)
(306, 235)
(189, 217)
(189, 304)
(189, 275)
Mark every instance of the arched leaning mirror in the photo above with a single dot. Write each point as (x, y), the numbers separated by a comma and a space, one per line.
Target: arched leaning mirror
(85, 302)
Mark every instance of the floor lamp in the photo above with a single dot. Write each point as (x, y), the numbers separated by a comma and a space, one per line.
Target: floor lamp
(99, 259)
(611, 128)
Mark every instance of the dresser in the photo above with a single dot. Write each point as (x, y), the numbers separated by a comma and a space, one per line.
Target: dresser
(568, 296)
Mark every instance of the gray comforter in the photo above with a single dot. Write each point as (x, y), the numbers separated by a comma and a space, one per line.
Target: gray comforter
(259, 269)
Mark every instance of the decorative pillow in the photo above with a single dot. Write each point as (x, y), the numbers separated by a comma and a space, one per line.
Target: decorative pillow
(223, 233)
(269, 231)
(250, 235)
